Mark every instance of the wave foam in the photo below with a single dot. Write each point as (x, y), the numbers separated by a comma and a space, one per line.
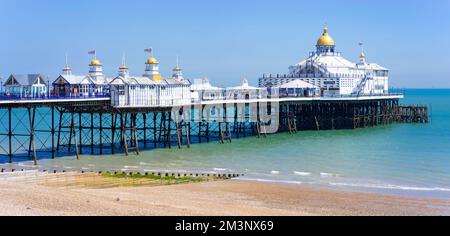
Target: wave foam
(323, 174)
(275, 172)
(130, 167)
(392, 186)
(271, 181)
(302, 173)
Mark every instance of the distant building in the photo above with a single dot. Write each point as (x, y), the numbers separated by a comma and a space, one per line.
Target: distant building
(333, 74)
(202, 89)
(29, 85)
(243, 91)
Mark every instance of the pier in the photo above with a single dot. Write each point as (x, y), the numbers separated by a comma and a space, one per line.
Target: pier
(51, 127)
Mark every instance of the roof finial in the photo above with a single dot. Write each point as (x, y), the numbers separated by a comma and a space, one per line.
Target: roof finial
(362, 55)
(325, 28)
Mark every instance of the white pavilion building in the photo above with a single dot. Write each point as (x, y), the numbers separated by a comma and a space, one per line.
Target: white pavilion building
(333, 74)
(151, 89)
(93, 84)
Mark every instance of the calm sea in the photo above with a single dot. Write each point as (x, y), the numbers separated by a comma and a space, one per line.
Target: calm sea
(407, 159)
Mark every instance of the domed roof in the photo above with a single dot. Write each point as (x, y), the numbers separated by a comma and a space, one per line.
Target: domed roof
(325, 39)
(95, 62)
(123, 67)
(362, 55)
(152, 60)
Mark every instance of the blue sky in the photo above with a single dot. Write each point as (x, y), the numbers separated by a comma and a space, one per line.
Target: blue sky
(225, 40)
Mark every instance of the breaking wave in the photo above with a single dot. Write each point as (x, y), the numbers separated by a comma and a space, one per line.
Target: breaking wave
(302, 173)
(271, 181)
(392, 186)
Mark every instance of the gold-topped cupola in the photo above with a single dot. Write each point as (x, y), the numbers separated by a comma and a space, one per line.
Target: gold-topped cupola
(325, 44)
(325, 39)
(152, 69)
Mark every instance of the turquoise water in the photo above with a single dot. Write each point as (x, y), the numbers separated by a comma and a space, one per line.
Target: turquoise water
(407, 159)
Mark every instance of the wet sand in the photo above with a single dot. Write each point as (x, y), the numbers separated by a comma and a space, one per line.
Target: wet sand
(231, 197)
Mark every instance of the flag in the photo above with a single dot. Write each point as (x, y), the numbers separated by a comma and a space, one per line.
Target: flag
(148, 50)
(91, 52)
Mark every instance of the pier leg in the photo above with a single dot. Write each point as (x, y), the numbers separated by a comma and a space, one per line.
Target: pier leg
(10, 154)
(59, 130)
(169, 133)
(32, 141)
(155, 116)
(144, 117)
(73, 130)
(80, 131)
(124, 139)
(92, 133)
(72, 124)
(101, 133)
(53, 132)
(136, 140)
(113, 131)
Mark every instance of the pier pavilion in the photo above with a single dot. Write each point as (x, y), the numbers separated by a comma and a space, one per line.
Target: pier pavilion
(332, 73)
(93, 84)
(151, 89)
(30, 85)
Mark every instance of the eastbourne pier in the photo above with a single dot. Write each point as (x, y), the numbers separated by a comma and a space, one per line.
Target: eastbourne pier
(96, 114)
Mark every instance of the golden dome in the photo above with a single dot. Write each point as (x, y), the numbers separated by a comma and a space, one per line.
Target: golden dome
(152, 60)
(95, 62)
(362, 56)
(67, 68)
(123, 67)
(325, 39)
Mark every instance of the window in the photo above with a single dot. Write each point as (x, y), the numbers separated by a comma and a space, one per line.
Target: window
(121, 89)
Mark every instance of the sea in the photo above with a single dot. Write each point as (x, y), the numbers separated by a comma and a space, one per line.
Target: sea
(399, 159)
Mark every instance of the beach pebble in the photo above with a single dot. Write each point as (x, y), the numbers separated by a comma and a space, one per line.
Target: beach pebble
(117, 199)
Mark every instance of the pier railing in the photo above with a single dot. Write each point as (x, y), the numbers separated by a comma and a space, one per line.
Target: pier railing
(4, 97)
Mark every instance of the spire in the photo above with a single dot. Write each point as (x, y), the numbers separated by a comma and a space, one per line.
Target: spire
(362, 55)
(123, 69)
(177, 71)
(123, 65)
(67, 70)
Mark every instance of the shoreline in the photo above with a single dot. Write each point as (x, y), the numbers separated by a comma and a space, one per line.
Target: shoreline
(218, 198)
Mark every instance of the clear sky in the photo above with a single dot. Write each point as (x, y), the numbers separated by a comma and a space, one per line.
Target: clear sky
(225, 40)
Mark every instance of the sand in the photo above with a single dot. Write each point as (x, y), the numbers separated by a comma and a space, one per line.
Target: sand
(25, 196)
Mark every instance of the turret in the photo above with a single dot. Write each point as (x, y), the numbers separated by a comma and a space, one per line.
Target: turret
(152, 69)
(67, 70)
(95, 68)
(123, 69)
(177, 73)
